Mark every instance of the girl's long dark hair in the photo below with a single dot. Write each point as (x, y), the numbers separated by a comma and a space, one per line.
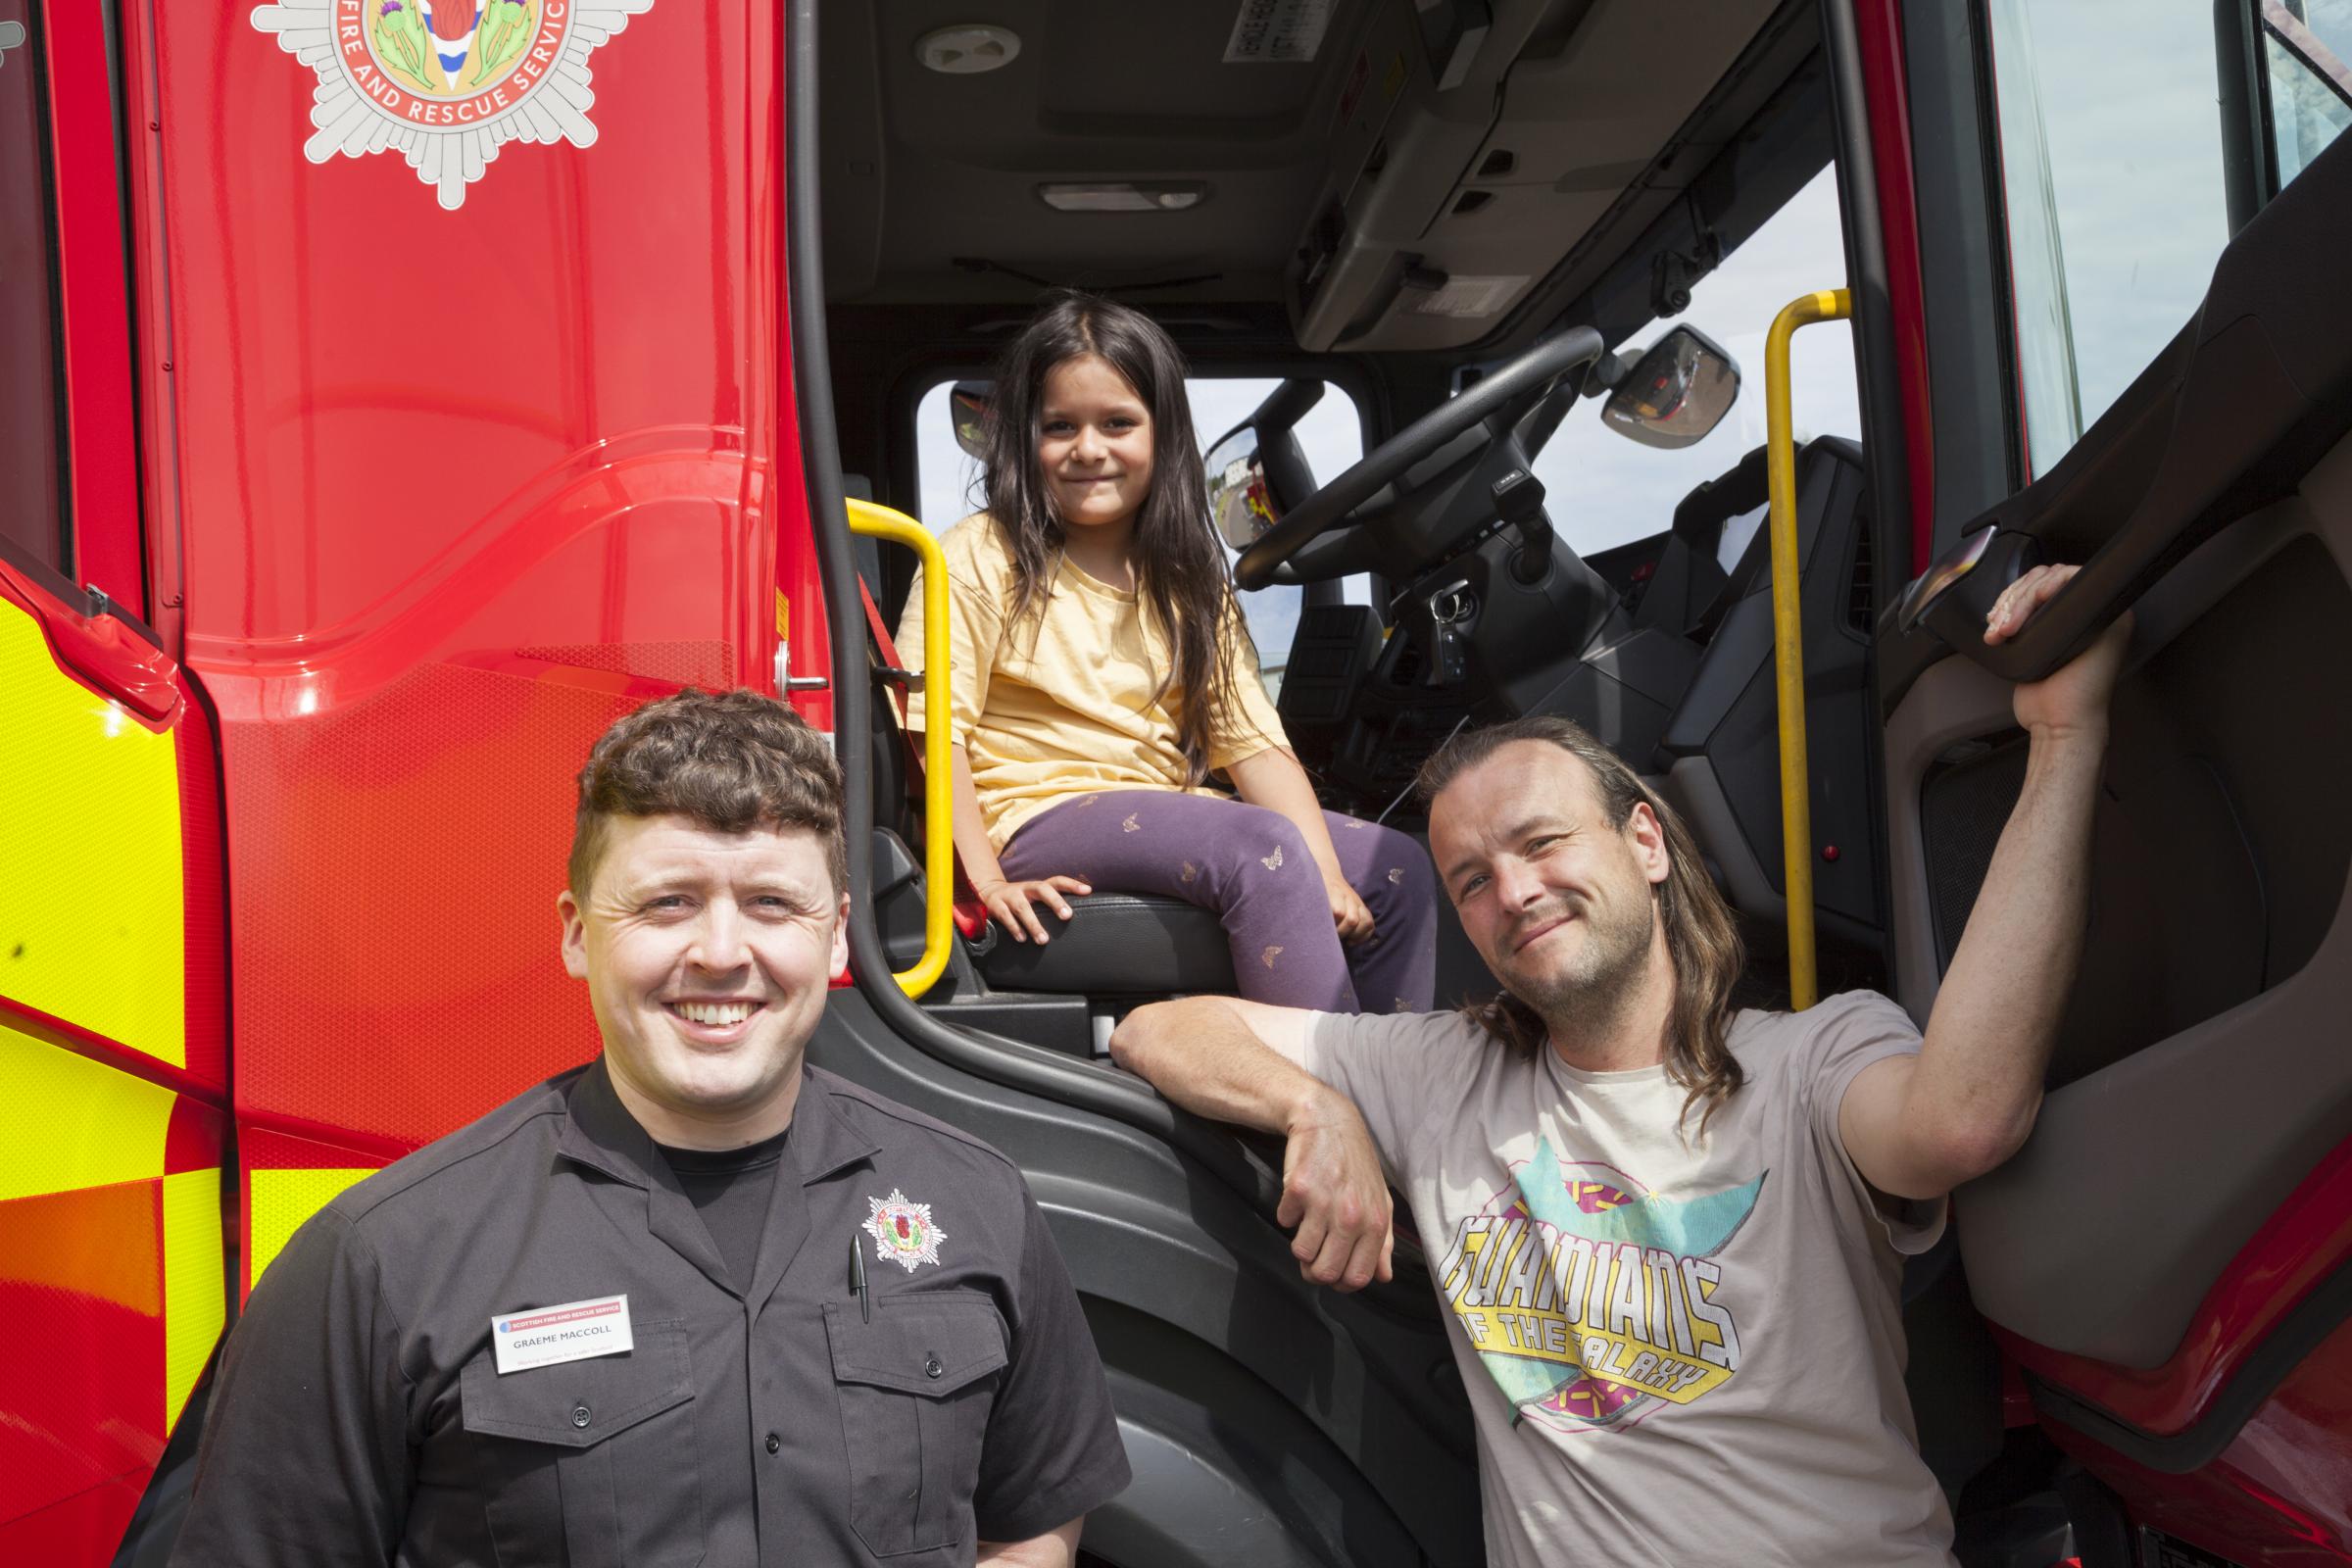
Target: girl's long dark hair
(1181, 575)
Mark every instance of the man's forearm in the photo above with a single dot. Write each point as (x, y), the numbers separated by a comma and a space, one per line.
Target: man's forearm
(1056, 1548)
(1201, 1056)
(1989, 1041)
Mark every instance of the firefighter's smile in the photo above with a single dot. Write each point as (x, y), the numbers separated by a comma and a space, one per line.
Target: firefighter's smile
(715, 1021)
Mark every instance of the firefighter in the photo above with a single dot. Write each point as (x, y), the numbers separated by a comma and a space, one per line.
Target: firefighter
(1668, 1234)
(696, 1302)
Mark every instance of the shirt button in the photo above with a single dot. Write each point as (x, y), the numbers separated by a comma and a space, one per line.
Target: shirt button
(931, 1366)
(579, 1415)
(775, 1443)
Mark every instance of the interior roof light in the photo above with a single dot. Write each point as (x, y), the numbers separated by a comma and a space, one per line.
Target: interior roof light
(1123, 196)
(967, 48)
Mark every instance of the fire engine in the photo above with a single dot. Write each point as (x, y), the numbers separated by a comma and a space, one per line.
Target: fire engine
(393, 393)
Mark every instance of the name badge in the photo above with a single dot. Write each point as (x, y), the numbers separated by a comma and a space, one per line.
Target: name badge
(547, 1336)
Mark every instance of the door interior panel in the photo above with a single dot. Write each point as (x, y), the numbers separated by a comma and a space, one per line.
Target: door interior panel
(2201, 1070)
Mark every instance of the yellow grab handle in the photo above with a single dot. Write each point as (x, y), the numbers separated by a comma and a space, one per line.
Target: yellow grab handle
(939, 841)
(1789, 635)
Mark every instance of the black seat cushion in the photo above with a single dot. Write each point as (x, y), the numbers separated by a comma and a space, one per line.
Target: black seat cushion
(1117, 943)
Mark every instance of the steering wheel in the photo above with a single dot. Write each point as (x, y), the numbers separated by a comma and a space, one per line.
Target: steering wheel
(1501, 401)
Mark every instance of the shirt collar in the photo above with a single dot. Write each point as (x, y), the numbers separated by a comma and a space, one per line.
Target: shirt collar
(600, 1133)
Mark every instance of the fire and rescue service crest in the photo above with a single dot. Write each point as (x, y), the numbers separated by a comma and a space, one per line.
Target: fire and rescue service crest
(445, 83)
(903, 1231)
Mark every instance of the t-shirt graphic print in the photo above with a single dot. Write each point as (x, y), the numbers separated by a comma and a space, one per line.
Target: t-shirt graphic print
(1590, 1299)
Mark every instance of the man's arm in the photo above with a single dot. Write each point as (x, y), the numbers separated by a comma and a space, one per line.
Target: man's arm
(1056, 1548)
(1237, 1061)
(1917, 1126)
(305, 1459)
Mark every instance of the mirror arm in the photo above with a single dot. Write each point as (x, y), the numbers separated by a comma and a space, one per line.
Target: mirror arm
(1607, 372)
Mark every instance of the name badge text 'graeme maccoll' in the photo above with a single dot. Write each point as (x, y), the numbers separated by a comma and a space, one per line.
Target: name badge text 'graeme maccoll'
(546, 1336)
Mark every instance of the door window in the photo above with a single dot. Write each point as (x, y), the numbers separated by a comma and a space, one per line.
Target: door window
(1332, 434)
(2114, 175)
(2305, 48)
(32, 506)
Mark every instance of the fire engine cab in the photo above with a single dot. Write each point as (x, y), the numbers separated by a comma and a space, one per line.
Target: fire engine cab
(393, 393)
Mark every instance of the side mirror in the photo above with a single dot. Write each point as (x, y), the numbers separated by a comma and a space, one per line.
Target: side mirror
(1238, 497)
(1257, 469)
(1679, 391)
(967, 409)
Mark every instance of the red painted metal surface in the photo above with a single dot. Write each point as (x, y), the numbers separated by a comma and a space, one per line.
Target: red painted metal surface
(204, 889)
(2308, 1237)
(1879, 36)
(456, 488)
(102, 476)
(82, 1359)
(84, 1528)
(2278, 1496)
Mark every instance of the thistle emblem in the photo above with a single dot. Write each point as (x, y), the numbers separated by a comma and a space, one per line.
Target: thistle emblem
(445, 83)
(903, 1231)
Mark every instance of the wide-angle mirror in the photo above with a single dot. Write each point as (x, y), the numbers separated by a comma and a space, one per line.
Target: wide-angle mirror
(968, 410)
(1678, 392)
(1237, 496)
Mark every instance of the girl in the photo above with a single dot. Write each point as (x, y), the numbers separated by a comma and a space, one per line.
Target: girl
(1102, 677)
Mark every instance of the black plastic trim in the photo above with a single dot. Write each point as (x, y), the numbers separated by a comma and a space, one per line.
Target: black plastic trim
(1885, 447)
(1962, 281)
(2310, 1322)
(2249, 171)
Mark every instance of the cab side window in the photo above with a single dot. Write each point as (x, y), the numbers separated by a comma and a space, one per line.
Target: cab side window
(2121, 178)
(33, 491)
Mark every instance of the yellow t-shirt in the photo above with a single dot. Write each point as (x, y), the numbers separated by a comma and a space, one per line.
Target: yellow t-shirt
(1072, 713)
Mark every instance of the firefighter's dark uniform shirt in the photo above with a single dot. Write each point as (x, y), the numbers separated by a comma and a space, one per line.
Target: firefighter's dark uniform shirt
(359, 1415)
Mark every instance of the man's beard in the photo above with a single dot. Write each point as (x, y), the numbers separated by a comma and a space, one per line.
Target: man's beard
(1593, 991)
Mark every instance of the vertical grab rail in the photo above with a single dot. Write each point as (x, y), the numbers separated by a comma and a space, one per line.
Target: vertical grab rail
(1789, 636)
(939, 842)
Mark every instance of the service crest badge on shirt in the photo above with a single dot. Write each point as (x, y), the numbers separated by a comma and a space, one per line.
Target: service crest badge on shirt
(903, 1231)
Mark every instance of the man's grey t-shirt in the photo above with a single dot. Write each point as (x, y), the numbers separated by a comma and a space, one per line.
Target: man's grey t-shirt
(1679, 1349)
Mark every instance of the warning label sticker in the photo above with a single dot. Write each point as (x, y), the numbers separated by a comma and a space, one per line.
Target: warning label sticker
(1278, 33)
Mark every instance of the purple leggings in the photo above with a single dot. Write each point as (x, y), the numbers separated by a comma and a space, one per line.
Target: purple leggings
(1251, 865)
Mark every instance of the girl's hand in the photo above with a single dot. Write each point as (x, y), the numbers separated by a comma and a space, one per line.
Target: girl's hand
(1007, 902)
(1348, 910)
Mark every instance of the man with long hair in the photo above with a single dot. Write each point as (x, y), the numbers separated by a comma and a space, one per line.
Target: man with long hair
(1669, 1234)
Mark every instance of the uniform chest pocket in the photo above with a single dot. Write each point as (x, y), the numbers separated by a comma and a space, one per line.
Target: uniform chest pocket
(917, 1386)
(590, 1463)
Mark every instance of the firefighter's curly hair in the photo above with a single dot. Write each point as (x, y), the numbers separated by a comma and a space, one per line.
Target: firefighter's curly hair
(732, 762)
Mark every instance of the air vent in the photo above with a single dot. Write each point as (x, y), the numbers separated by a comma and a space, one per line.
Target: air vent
(1498, 163)
(1470, 201)
(1859, 604)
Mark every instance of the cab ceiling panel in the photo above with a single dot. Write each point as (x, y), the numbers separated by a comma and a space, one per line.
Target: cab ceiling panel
(1430, 227)
(933, 181)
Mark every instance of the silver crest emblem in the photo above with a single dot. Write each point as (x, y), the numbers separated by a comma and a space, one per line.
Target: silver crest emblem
(445, 83)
